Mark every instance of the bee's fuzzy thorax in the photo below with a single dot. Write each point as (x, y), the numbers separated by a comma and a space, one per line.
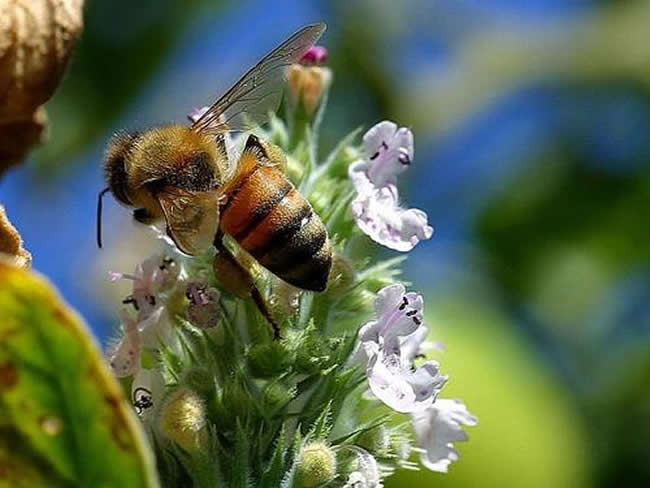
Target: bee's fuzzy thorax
(176, 155)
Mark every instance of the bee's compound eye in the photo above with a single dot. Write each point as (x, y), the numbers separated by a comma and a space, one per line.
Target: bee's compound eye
(117, 153)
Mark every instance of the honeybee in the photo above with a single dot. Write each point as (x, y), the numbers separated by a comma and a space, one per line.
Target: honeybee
(182, 174)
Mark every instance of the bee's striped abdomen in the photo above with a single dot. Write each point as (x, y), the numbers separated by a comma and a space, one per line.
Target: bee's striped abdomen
(273, 222)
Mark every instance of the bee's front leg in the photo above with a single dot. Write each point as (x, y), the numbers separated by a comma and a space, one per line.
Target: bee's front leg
(238, 280)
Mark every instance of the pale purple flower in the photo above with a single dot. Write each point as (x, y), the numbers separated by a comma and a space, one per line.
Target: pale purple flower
(390, 348)
(398, 314)
(380, 217)
(124, 357)
(388, 151)
(403, 389)
(437, 428)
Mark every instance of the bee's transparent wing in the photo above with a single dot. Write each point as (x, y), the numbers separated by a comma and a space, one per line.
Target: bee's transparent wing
(192, 217)
(248, 103)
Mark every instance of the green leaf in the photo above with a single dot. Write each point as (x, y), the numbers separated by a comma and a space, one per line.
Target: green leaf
(275, 469)
(323, 425)
(336, 164)
(240, 469)
(63, 418)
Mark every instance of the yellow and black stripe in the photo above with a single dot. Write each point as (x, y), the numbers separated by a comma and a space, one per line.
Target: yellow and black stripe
(271, 220)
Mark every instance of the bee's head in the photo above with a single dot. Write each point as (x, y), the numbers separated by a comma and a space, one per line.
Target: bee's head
(115, 159)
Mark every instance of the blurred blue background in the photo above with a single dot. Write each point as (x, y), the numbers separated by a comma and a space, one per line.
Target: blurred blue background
(532, 159)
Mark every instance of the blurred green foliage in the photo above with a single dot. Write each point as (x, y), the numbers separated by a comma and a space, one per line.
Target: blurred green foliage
(529, 432)
(63, 419)
(558, 204)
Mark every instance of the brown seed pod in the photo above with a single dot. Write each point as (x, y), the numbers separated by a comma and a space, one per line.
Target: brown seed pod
(36, 40)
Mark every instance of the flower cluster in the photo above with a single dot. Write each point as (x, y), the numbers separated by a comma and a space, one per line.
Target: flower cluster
(226, 402)
(388, 151)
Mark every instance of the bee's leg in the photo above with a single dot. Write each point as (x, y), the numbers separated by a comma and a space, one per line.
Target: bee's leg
(264, 309)
(238, 280)
(143, 216)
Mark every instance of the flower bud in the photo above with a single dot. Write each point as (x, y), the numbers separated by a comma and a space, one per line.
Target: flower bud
(269, 359)
(376, 440)
(183, 419)
(316, 464)
(307, 85)
(277, 395)
(315, 55)
(314, 353)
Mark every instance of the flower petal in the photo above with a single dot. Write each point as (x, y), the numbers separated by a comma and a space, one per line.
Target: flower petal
(389, 152)
(390, 388)
(379, 216)
(124, 359)
(437, 428)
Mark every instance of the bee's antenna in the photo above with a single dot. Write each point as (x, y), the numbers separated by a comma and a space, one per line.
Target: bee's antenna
(99, 216)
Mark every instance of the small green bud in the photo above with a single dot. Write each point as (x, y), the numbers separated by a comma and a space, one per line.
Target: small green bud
(269, 359)
(316, 464)
(276, 395)
(183, 418)
(200, 380)
(313, 354)
(234, 400)
(376, 440)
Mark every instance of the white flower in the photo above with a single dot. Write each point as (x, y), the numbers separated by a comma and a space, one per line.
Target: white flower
(152, 326)
(391, 343)
(437, 428)
(367, 473)
(388, 152)
(393, 381)
(398, 313)
(124, 357)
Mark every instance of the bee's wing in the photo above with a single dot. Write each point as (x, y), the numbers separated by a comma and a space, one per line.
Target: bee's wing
(248, 103)
(192, 217)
